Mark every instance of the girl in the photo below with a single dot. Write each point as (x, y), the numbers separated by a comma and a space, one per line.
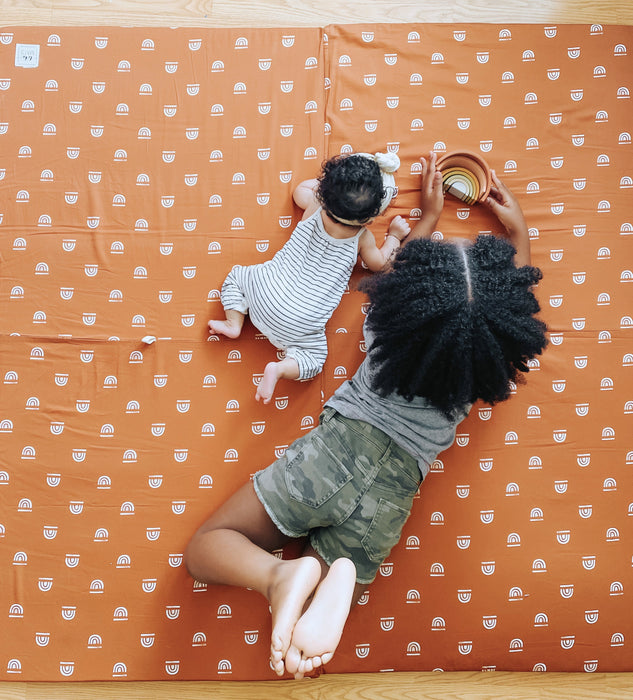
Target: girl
(448, 324)
(291, 297)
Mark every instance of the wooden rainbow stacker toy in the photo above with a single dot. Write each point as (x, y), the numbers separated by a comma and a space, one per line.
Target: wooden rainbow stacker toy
(465, 175)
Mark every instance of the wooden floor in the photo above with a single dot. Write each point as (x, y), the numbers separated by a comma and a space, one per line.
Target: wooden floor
(269, 13)
(389, 686)
(279, 13)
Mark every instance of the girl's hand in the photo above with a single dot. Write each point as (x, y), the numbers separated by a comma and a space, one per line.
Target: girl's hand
(431, 190)
(431, 198)
(507, 209)
(504, 206)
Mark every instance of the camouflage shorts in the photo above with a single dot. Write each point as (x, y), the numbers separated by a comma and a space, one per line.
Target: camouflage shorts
(347, 486)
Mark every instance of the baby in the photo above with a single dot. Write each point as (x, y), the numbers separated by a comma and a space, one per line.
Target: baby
(291, 297)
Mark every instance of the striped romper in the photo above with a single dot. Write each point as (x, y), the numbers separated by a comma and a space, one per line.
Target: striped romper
(291, 297)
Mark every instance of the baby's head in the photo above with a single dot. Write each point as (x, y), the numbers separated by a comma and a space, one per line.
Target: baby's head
(354, 189)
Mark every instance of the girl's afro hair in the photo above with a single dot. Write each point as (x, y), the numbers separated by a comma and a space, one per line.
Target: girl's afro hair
(351, 187)
(453, 323)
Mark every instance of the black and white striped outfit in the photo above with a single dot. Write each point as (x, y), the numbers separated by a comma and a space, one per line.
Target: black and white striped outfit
(291, 297)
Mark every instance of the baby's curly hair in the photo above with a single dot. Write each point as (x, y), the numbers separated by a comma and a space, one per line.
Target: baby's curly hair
(351, 187)
(453, 323)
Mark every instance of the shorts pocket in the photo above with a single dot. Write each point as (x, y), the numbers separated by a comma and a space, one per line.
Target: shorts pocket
(399, 475)
(315, 474)
(384, 530)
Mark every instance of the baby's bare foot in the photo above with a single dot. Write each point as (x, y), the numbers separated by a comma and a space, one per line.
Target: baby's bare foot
(295, 581)
(267, 385)
(228, 328)
(318, 631)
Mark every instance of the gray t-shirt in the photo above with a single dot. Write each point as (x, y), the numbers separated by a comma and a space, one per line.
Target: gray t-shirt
(415, 425)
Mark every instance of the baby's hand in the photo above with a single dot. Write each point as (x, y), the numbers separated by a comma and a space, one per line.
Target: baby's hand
(399, 228)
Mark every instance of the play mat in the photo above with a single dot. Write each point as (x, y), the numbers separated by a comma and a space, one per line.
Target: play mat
(136, 167)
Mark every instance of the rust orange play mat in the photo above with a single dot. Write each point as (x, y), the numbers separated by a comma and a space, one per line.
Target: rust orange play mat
(136, 167)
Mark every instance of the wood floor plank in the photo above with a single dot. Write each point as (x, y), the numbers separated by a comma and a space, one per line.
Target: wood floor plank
(386, 686)
(275, 13)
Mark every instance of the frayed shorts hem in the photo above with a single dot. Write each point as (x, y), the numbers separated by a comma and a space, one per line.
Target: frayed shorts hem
(271, 513)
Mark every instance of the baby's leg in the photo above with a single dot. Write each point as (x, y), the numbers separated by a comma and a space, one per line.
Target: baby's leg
(303, 362)
(288, 368)
(318, 631)
(234, 301)
(231, 327)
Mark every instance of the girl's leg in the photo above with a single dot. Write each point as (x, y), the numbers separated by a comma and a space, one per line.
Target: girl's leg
(318, 631)
(359, 588)
(231, 327)
(288, 368)
(233, 547)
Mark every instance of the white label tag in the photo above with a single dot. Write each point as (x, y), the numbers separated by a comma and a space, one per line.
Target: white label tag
(27, 55)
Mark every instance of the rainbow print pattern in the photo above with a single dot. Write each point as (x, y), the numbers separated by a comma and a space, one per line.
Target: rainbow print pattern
(137, 166)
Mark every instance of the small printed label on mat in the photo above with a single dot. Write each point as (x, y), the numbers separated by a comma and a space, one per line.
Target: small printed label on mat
(27, 55)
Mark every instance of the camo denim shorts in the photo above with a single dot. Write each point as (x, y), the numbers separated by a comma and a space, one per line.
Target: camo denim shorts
(347, 486)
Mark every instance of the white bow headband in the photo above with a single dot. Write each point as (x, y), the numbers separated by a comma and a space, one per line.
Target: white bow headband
(388, 164)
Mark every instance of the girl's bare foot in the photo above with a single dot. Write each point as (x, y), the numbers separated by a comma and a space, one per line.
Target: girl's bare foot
(267, 385)
(318, 631)
(294, 583)
(231, 329)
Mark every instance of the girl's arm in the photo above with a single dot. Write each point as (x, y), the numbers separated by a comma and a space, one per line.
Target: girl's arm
(507, 209)
(304, 197)
(376, 258)
(431, 199)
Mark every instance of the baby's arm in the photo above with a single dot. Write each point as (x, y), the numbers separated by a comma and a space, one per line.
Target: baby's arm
(376, 258)
(508, 210)
(305, 197)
